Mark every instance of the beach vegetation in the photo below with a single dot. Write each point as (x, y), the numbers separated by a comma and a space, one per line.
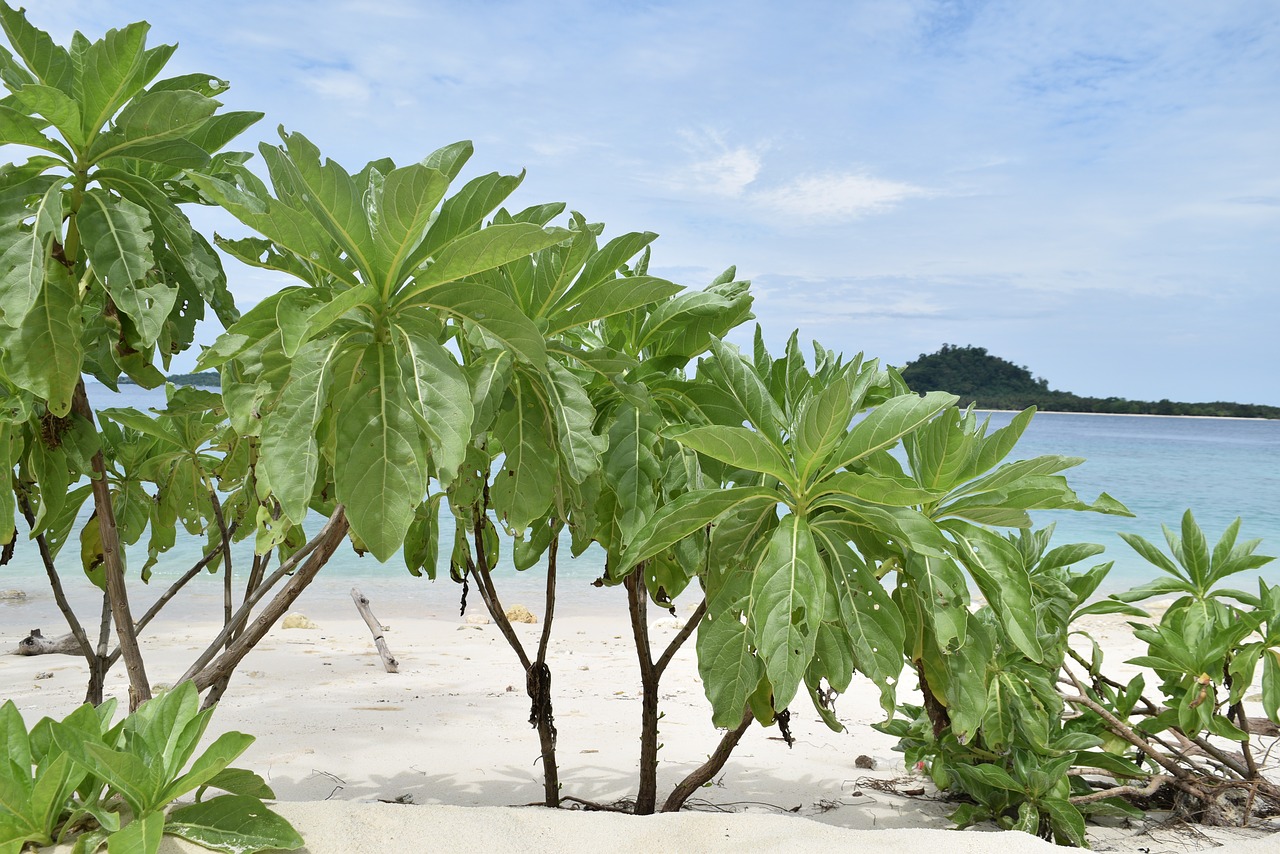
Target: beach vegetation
(88, 780)
(824, 518)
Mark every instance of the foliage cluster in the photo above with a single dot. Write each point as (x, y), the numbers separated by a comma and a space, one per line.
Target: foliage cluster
(440, 347)
(989, 382)
(110, 784)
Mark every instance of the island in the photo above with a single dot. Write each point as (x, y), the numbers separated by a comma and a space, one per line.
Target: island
(990, 382)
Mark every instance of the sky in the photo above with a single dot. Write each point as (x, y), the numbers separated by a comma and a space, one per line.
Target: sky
(1089, 189)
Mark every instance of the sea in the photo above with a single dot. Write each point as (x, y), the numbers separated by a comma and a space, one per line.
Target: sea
(1159, 467)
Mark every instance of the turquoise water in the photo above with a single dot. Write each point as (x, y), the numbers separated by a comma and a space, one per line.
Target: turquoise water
(1158, 466)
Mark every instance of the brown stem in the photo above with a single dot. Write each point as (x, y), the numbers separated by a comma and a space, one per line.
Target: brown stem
(637, 607)
(326, 543)
(538, 686)
(707, 771)
(939, 717)
(220, 687)
(242, 614)
(679, 640)
(101, 662)
(1156, 783)
(113, 564)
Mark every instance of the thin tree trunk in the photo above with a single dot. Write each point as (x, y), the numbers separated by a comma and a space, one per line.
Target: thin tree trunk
(101, 660)
(537, 673)
(707, 771)
(113, 564)
(389, 662)
(220, 687)
(322, 548)
(637, 606)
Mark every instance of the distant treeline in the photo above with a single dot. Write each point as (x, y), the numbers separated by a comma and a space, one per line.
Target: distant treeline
(205, 379)
(990, 382)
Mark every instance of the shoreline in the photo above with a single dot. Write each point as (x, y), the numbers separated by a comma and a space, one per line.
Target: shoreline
(1137, 415)
(450, 732)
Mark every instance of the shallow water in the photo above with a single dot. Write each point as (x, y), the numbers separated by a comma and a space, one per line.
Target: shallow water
(1158, 466)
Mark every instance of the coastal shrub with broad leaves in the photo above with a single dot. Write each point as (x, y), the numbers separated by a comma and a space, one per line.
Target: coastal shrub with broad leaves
(437, 347)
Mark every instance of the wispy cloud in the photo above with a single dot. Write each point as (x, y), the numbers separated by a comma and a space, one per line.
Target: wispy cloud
(837, 196)
(717, 168)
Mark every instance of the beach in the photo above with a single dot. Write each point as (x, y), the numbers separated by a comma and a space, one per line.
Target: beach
(446, 740)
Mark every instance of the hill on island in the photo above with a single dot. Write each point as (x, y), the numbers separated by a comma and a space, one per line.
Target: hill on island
(990, 382)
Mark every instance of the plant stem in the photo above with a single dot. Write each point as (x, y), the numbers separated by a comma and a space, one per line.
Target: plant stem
(538, 686)
(707, 771)
(637, 606)
(113, 564)
(324, 544)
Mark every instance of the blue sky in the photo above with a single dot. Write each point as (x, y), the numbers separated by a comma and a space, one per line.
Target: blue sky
(1091, 189)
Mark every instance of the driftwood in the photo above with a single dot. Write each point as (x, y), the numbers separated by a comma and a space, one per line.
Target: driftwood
(362, 605)
(37, 644)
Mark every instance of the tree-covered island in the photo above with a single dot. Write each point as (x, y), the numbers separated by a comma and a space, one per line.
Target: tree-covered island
(990, 382)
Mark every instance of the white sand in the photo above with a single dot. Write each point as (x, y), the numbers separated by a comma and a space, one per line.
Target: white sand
(336, 734)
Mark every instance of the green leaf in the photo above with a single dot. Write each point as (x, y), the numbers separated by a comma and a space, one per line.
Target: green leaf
(379, 476)
(238, 781)
(108, 74)
(48, 61)
(51, 328)
(875, 489)
(19, 129)
(824, 418)
(1271, 684)
(523, 488)
(236, 824)
(573, 417)
(140, 836)
(888, 423)
(409, 196)
(615, 297)
(155, 118)
(997, 567)
(290, 454)
(1195, 551)
(753, 399)
(439, 394)
(632, 470)
(224, 750)
(740, 447)
(491, 310)
(688, 513)
(464, 211)
(57, 106)
(787, 594)
(484, 250)
(729, 667)
(117, 235)
(24, 256)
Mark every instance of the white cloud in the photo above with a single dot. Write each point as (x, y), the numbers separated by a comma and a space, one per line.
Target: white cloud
(837, 195)
(338, 84)
(719, 169)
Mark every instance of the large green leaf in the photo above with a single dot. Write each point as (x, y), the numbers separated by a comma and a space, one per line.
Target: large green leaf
(882, 429)
(868, 614)
(614, 297)
(523, 488)
(19, 129)
(631, 467)
(48, 60)
(379, 475)
(729, 667)
(24, 255)
(740, 447)
(484, 250)
(465, 210)
(117, 236)
(943, 594)
(51, 329)
(57, 106)
(997, 567)
(290, 455)
(235, 824)
(787, 593)
(155, 118)
(688, 513)
(747, 391)
(438, 393)
(330, 195)
(491, 310)
(409, 197)
(573, 416)
(108, 73)
(875, 489)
